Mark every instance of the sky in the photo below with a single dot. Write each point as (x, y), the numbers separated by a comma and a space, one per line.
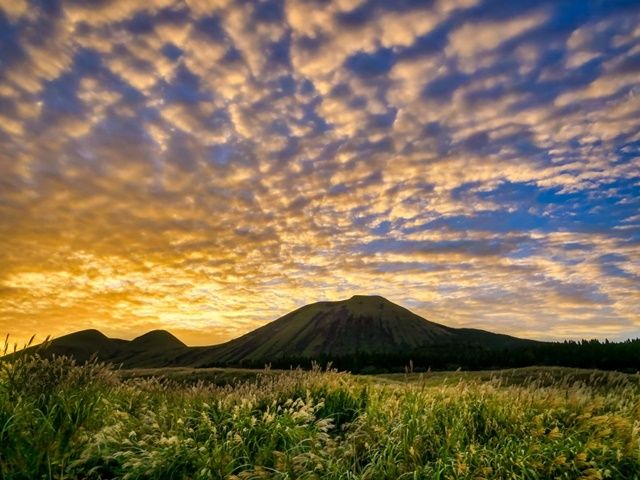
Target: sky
(207, 166)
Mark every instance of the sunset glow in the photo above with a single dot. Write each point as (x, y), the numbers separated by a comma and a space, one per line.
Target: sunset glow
(207, 166)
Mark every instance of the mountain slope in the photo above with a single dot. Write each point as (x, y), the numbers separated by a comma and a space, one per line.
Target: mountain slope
(369, 324)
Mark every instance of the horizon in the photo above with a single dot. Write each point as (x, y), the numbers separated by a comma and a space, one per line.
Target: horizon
(36, 341)
(204, 167)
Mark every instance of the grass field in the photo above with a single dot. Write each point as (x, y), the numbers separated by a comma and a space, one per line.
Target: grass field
(59, 420)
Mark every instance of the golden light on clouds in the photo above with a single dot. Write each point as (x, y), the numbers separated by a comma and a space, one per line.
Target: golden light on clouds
(205, 167)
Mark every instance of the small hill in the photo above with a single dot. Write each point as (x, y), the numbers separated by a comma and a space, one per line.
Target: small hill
(155, 348)
(361, 324)
(156, 340)
(81, 345)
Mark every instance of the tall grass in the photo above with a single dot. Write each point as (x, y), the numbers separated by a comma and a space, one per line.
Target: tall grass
(61, 420)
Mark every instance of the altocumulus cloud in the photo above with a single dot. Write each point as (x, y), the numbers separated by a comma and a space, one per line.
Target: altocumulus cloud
(205, 166)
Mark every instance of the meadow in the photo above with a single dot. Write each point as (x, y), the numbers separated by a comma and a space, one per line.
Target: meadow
(61, 420)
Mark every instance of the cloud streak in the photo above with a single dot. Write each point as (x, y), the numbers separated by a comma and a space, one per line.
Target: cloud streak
(206, 166)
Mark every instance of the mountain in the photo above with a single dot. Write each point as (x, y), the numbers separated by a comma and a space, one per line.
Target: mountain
(361, 325)
(82, 345)
(156, 340)
(153, 349)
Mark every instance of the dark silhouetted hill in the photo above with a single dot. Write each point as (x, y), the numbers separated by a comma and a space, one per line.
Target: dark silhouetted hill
(363, 333)
(370, 325)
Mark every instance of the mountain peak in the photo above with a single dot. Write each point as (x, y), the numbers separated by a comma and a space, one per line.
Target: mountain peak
(367, 298)
(373, 307)
(157, 339)
(90, 335)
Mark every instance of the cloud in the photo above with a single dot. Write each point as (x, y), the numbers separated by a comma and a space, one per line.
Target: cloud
(14, 10)
(325, 38)
(206, 166)
(110, 11)
(473, 39)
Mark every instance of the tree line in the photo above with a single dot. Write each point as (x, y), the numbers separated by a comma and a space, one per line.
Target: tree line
(622, 356)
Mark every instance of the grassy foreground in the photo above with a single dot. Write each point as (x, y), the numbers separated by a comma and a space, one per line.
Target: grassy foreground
(61, 420)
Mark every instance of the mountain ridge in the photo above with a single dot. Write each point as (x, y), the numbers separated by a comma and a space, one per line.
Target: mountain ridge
(362, 324)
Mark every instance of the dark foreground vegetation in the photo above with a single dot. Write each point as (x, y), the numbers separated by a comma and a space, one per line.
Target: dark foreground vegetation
(622, 356)
(60, 420)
